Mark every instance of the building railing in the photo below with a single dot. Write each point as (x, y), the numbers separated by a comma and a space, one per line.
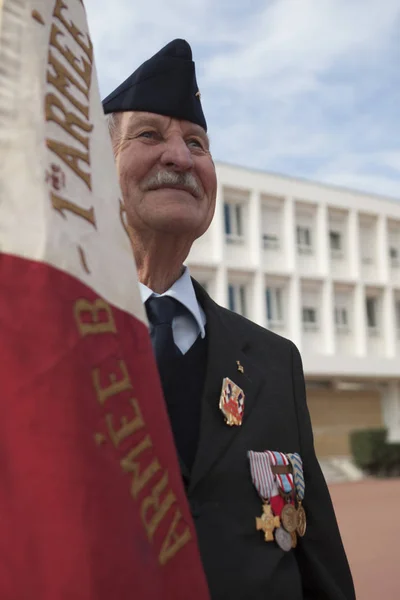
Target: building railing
(234, 238)
(305, 249)
(374, 331)
(270, 243)
(276, 324)
(337, 254)
(342, 329)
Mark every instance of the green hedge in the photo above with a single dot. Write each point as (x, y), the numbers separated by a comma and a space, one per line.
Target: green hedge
(373, 454)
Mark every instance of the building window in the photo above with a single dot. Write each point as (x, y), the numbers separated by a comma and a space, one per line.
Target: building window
(271, 225)
(341, 319)
(273, 296)
(394, 256)
(237, 300)
(335, 242)
(233, 216)
(309, 318)
(368, 243)
(372, 316)
(304, 240)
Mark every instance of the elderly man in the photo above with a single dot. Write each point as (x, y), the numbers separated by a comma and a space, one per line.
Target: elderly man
(234, 391)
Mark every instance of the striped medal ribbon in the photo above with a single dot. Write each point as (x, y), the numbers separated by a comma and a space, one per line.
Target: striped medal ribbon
(298, 474)
(289, 517)
(300, 485)
(285, 480)
(262, 475)
(265, 484)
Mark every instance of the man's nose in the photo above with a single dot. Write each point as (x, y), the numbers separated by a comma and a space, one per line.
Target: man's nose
(177, 155)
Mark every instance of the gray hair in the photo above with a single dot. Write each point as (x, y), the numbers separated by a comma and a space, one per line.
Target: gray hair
(113, 122)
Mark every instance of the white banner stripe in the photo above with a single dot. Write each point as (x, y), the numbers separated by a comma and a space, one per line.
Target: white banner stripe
(62, 208)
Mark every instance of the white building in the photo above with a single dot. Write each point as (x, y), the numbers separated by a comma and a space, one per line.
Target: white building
(321, 266)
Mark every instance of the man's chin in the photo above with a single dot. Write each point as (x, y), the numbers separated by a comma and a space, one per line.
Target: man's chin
(176, 223)
(177, 227)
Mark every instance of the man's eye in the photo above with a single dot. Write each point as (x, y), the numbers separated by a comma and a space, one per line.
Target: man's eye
(147, 134)
(195, 142)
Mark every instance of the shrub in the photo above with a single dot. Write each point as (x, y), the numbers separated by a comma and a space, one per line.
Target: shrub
(373, 454)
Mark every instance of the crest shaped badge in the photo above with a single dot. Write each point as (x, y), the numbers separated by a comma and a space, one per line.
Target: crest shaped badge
(231, 402)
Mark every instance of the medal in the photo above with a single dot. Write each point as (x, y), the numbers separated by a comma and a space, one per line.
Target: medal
(283, 539)
(301, 520)
(267, 523)
(298, 476)
(289, 518)
(264, 482)
(231, 402)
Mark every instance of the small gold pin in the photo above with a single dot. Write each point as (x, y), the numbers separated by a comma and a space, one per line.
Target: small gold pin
(240, 367)
(197, 94)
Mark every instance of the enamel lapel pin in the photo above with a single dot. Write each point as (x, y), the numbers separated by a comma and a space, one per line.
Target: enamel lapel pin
(231, 402)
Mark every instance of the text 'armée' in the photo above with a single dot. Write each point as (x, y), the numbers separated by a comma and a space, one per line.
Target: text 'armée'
(149, 482)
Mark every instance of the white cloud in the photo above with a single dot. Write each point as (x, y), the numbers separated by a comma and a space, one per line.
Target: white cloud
(303, 38)
(304, 87)
(126, 33)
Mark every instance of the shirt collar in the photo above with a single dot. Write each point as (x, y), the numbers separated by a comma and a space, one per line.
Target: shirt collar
(183, 291)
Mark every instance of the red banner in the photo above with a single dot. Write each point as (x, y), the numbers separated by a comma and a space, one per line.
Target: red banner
(91, 502)
(92, 505)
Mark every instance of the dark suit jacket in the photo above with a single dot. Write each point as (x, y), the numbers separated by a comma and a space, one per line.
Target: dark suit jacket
(238, 563)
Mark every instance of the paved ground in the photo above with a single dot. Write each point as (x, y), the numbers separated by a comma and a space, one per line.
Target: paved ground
(369, 519)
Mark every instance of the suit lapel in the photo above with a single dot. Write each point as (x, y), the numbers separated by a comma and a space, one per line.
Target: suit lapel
(224, 350)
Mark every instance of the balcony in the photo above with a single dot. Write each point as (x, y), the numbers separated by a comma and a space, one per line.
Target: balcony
(395, 263)
(305, 249)
(374, 331)
(337, 254)
(234, 238)
(270, 242)
(342, 329)
(276, 325)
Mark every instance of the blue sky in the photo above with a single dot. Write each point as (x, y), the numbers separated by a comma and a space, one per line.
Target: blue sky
(307, 88)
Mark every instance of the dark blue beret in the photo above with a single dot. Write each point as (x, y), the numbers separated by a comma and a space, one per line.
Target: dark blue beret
(165, 84)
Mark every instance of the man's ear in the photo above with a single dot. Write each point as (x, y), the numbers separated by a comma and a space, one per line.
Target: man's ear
(122, 215)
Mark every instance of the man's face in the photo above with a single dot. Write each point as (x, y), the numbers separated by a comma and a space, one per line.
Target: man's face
(166, 174)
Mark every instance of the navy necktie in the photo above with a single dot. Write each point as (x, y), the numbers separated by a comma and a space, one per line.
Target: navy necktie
(161, 311)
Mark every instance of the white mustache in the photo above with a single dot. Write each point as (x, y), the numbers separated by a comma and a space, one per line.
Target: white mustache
(166, 178)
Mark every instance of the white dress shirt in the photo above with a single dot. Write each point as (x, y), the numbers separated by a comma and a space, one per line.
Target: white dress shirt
(186, 327)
